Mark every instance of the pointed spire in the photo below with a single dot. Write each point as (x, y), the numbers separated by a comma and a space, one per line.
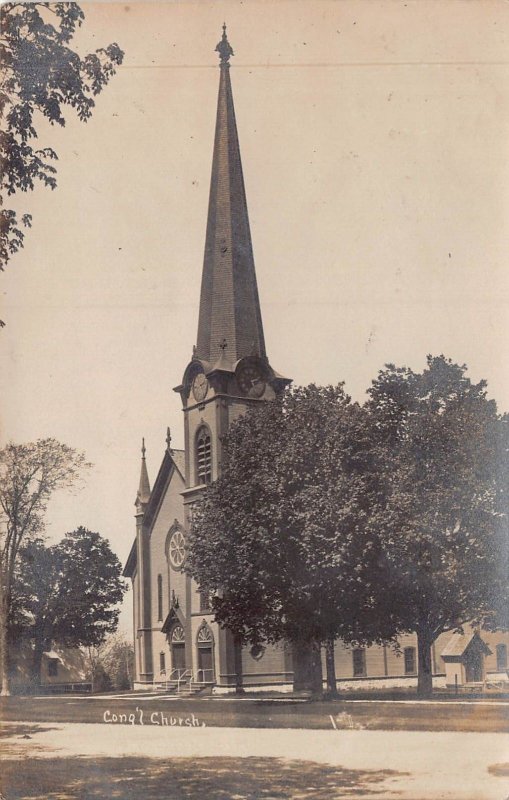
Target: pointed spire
(229, 304)
(144, 487)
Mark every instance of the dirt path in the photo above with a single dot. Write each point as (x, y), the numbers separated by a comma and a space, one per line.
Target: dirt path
(403, 765)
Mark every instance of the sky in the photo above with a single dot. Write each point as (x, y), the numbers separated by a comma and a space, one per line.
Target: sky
(374, 139)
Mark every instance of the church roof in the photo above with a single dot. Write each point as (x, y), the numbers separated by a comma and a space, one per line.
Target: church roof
(172, 459)
(179, 459)
(230, 316)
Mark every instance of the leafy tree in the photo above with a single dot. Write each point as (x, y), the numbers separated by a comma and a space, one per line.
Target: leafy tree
(95, 670)
(41, 73)
(442, 518)
(281, 538)
(29, 474)
(118, 661)
(70, 592)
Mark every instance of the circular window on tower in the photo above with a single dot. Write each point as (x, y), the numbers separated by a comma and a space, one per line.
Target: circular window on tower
(177, 549)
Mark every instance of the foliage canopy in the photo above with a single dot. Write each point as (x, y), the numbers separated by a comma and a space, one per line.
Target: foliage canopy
(68, 593)
(41, 73)
(281, 538)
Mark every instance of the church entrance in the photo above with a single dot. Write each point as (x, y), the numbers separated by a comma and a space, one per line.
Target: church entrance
(178, 651)
(205, 643)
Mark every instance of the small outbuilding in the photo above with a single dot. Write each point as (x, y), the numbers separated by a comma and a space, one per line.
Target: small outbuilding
(463, 657)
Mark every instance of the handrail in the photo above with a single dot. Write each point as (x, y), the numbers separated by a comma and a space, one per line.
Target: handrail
(182, 675)
(203, 671)
(179, 676)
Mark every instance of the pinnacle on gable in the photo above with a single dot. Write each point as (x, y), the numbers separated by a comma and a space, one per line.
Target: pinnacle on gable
(143, 495)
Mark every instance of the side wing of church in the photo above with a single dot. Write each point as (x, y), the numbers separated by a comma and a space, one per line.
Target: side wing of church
(177, 643)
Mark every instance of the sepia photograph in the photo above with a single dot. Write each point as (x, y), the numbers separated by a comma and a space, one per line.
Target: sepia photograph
(254, 428)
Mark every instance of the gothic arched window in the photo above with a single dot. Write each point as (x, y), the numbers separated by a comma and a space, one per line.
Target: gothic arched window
(177, 635)
(205, 637)
(203, 456)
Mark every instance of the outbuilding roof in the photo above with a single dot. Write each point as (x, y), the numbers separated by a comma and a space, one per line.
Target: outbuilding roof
(459, 643)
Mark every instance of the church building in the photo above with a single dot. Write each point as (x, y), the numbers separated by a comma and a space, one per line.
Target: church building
(177, 642)
(175, 635)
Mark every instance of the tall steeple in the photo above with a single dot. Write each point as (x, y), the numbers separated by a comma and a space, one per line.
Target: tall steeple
(143, 495)
(230, 322)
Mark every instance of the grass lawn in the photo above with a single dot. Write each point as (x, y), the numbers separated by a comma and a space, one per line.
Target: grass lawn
(269, 713)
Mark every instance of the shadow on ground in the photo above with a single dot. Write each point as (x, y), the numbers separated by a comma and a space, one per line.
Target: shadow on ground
(502, 770)
(183, 778)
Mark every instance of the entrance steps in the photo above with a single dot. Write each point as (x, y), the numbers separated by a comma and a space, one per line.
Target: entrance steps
(182, 688)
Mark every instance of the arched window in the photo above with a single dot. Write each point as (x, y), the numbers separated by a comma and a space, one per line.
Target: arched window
(359, 662)
(205, 637)
(409, 656)
(178, 651)
(501, 657)
(177, 635)
(205, 601)
(205, 647)
(203, 456)
(159, 597)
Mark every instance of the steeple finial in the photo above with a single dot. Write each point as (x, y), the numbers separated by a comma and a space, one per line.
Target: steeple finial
(224, 48)
(143, 448)
(168, 438)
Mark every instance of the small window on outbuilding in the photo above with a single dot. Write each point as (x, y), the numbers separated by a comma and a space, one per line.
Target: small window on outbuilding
(203, 456)
(359, 662)
(501, 657)
(409, 656)
(53, 667)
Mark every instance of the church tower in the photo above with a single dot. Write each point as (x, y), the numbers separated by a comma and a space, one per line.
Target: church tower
(177, 641)
(229, 369)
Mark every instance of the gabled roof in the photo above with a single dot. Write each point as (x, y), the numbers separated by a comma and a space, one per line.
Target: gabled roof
(459, 643)
(173, 460)
(130, 564)
(179, 459)
(174, 616)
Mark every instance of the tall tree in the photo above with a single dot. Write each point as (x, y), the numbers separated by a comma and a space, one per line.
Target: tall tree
(70, 593)
(29, 474)
(40, 74)
(117, 660)
(281, 539)
(442, 519)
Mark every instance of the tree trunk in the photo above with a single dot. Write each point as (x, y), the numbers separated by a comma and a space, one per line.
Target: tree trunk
(37, 662)
(316, 670)
(4, 644)
(330, 663)
(239, 689)
(425, 667)
(307, 667)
